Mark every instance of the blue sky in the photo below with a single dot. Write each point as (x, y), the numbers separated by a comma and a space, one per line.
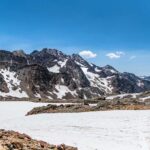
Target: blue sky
(104, 27)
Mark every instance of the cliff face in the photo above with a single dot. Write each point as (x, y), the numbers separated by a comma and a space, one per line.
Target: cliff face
(51, 74)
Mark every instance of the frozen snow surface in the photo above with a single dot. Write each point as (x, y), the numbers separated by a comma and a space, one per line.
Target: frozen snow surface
(106, 130)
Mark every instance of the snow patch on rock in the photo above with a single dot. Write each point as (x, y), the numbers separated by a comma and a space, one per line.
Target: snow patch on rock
(96, 81)
(62, 90)
(97, 69)
(37, 95)
(140, 83)
(13, 84)
(54, 69)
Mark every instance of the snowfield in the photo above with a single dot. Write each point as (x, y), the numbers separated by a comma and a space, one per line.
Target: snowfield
(107, 130)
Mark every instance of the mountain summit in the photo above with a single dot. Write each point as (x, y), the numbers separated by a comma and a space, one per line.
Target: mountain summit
(51, 74)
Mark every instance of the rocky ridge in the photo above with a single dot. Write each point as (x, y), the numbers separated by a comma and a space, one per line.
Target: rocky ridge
(51, 74)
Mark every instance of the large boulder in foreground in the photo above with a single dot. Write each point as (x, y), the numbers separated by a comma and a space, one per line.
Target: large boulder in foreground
(10, 140)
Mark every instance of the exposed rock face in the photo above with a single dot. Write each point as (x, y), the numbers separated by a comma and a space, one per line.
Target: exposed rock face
(35, 79)
(129, 83)
(3, 85)
(10, 140)
(53, 75)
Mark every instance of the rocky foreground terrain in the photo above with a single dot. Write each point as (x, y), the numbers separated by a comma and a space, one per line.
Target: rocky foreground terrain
(51, 74)
(69, 108)
(10, 140)
(137, 101)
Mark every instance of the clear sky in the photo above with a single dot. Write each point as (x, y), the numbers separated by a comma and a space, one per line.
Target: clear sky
(115, 32)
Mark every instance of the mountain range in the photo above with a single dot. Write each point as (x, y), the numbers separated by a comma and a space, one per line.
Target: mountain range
(51, 74)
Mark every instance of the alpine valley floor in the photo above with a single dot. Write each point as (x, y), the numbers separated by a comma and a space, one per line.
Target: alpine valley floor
(105, 130)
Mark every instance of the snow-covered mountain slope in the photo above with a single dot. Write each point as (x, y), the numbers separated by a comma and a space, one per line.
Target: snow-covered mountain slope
(51, 74)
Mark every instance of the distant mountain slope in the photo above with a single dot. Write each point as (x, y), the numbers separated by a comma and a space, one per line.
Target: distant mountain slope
(146, 77)
(49, 73)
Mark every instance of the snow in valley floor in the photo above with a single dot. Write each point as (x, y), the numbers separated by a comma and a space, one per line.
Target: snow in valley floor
(107, 130)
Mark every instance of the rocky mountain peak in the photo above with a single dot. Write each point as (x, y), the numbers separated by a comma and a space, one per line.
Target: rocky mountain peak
(79, 60)
(19, 53)
(77, 57)
(110, 68)
(53, 52)
(34, 52)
